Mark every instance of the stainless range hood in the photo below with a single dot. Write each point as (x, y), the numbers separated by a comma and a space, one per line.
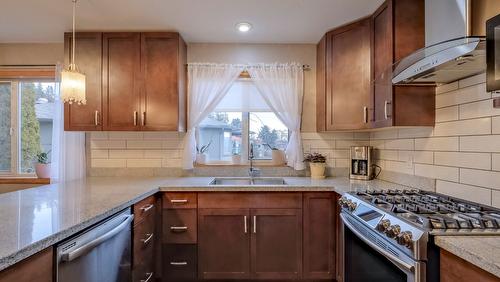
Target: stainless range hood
(450, 53)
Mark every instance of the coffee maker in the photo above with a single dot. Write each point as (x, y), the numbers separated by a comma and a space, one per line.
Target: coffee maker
(361, 163)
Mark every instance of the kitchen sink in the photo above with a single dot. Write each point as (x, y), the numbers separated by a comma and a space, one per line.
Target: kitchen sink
(248, 181)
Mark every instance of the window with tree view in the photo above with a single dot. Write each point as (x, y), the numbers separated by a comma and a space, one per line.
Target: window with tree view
(242, 119)
(26, 115)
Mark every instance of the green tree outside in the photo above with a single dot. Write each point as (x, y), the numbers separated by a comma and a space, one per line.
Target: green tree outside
(5, 96)
(30, 129)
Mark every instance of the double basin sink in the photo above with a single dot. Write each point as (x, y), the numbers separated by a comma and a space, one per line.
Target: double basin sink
(235, 181)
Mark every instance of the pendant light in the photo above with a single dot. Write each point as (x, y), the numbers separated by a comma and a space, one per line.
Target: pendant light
(73, 81)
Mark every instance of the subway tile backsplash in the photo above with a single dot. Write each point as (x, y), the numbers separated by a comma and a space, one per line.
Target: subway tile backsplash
(460, 156)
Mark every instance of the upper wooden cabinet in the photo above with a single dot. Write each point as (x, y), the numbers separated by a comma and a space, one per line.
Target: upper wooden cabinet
(88, 57)
(399, 30)
(135, 81)
(354, 71)
(343, 79)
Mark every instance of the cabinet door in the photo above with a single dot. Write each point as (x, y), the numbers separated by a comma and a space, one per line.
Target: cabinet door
(121, 81)
(319, 235)
(223, 244)
(38, 268)
(276, 243)
(349, 77)
(382, 65)
(160, 63)
(88, 58)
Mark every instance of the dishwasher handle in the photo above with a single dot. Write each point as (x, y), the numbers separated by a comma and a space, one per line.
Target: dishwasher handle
(72, 255)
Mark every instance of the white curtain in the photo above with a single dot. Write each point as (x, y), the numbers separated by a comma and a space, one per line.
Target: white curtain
(281, 86)
(68, 148)
(207, 85)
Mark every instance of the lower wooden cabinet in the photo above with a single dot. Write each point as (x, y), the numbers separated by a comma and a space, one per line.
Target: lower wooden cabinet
(455, 269)
(180, 262)
(38, 267)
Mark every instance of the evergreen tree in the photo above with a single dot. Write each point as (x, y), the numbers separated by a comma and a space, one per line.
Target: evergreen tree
(30, 130)
(267, 136)
(5, 148)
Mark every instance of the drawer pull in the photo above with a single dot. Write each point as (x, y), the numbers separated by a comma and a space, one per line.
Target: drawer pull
(148, 239)
(178, 228)
(149, 275)
(179, 202)
(147, 207)
(178, 263)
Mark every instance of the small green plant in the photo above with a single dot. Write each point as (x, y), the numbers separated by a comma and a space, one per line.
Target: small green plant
(314, 158)
(43, 157)
(204, 148)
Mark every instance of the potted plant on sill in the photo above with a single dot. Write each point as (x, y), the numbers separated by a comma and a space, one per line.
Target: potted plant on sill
(201, 157)
(317, 163)
(42, 165)
(278, 156)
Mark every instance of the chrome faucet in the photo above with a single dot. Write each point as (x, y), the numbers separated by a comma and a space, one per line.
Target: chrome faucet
(252, 171)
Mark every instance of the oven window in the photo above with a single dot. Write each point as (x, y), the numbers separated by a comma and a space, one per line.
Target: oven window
(363, 264)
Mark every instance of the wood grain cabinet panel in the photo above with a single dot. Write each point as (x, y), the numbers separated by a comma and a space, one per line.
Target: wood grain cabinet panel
(180, 226)
(224, 244)
(319, 235)
(398, 30)
(88, 58)
(163, 69)
(276, 244)
(38, 267)
(180, 262)
(455, 269)
(121, 85)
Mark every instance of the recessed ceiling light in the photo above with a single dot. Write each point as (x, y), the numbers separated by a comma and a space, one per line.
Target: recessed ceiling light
(243, 27)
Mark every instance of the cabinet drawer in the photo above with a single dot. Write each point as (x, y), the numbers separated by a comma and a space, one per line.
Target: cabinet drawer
(144, 208)
(179, 200)
(283, 200)
(143, 246)
(179, 262)
(179, 226)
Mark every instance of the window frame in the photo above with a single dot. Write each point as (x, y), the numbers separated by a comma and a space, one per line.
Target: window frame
(16, 126)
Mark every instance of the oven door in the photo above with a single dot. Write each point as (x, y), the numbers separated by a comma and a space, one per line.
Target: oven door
(369, 257)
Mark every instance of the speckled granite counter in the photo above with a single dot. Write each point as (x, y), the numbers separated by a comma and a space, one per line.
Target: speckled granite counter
(34, 219)
(482, 251)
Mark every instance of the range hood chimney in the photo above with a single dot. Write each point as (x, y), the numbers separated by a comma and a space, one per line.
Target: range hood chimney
(451, 53)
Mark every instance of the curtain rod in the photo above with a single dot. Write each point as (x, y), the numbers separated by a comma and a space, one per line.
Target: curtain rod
(304, 67)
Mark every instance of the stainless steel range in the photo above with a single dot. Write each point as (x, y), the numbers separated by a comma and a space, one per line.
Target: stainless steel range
(388, 235)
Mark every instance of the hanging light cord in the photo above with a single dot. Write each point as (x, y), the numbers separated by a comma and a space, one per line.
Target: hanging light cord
(72, 65)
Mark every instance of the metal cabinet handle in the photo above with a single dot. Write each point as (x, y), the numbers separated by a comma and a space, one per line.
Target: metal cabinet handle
(135, 118)
(245, 223)
(254, 224)
(143, 119)
(184, 201)
(147, 207)
(96, 117)
(386, 115)
(365, 114)
(149, 275)
(178, 263)
(178, 228)
(148, 239)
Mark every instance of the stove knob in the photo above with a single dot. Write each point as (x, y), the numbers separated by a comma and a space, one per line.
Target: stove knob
(405, 239)
(342, 201)
(393, 231)
(383, 225)
(351, 205)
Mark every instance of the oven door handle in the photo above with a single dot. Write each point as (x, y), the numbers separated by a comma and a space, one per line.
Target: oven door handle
(398, 262)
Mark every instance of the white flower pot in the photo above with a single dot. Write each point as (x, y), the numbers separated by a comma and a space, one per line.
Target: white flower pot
(42, 170)
(201, 158)
(236, 159)
(278, 157)
(317, 170)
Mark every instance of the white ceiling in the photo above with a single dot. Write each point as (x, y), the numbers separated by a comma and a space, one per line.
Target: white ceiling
(274, 21)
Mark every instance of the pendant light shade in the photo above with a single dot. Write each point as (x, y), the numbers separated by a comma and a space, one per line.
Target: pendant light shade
(73, 81)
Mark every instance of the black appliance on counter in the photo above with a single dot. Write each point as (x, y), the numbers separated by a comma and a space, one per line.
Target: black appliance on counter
(389, 235)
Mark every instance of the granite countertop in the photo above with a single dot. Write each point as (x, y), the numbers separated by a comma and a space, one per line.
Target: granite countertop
(482, 251)
(36, 218)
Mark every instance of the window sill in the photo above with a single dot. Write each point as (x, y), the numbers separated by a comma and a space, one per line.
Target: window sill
(24, 180)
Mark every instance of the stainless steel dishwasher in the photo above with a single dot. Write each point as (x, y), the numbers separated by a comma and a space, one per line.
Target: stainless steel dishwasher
(101, 254)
